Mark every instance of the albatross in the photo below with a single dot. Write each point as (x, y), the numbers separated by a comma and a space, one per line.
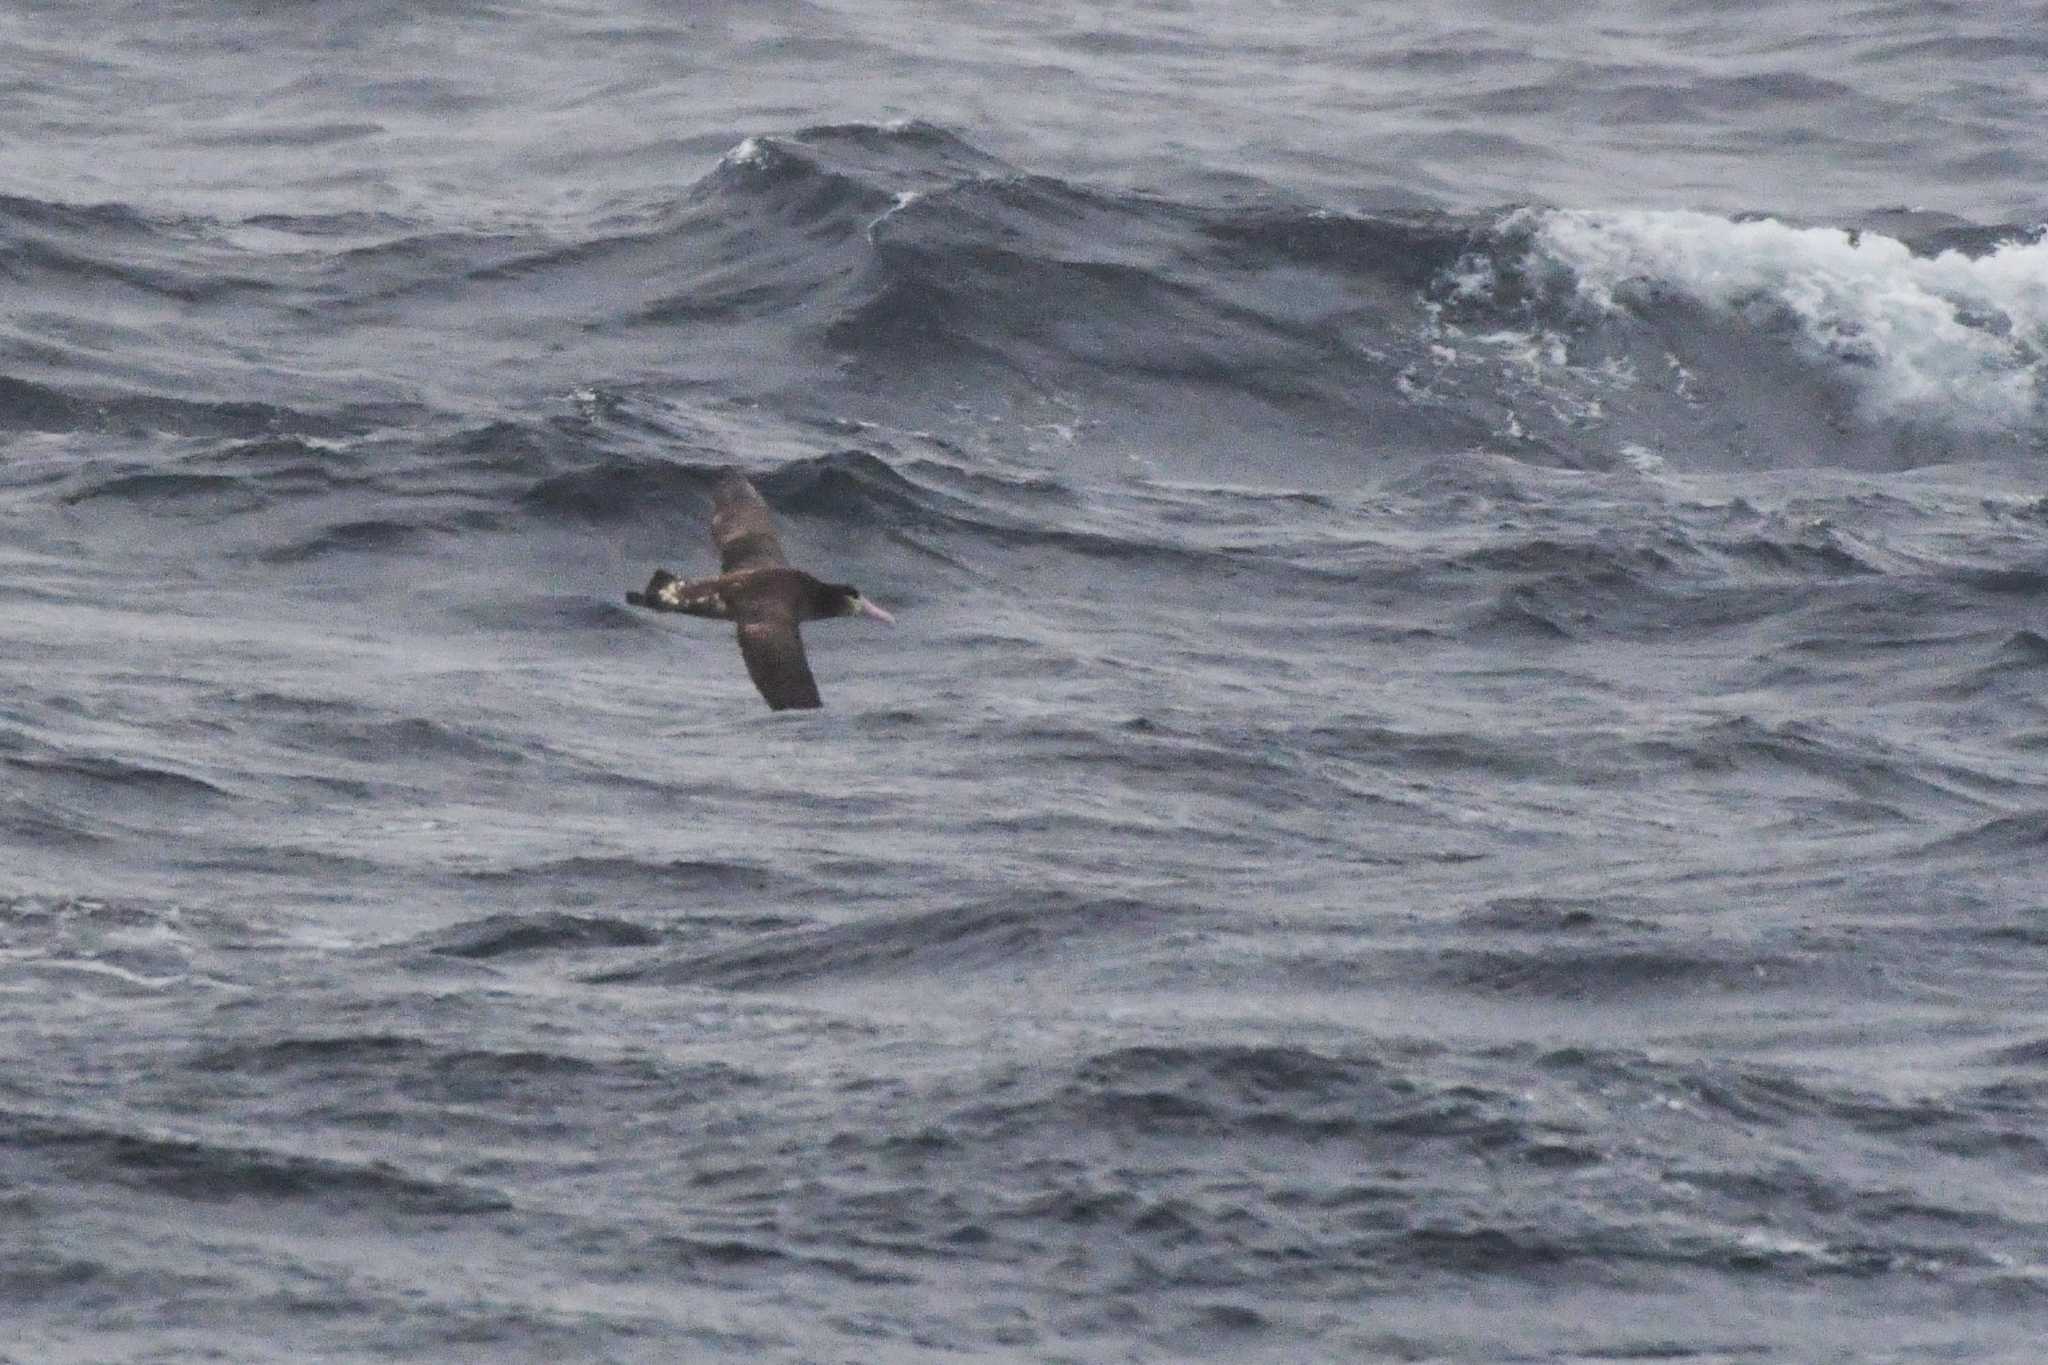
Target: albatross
(758, 591)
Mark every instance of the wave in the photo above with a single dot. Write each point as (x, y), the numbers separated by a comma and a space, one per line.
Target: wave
(29, 406)
(214, 1172)
(965, 520)
(1619, 973)
(699, 874)
(373, 1077)
(621, 487)
(2022, 834)
(969, 311)
(1529, 329)
(1407, 1131)
(411, 739)
(1954, 330)
(115, 775)
(65, 245)
(1693, 340)
(1005, 934)
(374, 535)
(499, 935)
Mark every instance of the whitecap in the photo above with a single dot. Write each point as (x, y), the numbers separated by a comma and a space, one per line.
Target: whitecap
(1950, 337)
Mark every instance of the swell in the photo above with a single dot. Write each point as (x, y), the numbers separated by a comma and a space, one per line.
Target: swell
(1562, 571)
(26, 405)
(1529, 330)
(1385, 1164)
(84, 772)
(927, 510)
(211, 1172)
(391, 1066)
(885, 264)
(872, 267)
(1005, 934)
(58, 247)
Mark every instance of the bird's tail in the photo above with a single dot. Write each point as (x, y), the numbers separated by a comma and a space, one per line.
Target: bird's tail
(651, 597)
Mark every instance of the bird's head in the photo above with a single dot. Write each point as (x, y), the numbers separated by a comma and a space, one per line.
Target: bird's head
(843, 599)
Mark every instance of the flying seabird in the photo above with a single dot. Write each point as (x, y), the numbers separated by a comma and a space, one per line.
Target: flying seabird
(757, 589)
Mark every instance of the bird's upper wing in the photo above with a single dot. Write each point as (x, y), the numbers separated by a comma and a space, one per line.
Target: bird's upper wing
(743, 528)
(774, 652)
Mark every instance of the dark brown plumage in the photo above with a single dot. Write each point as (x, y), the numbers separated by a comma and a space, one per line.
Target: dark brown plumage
(758, 591)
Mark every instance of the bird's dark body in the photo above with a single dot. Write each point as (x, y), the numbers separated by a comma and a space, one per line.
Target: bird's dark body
(760, 592)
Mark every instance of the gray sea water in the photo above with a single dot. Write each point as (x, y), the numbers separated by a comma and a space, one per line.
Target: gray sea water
(1461, 774)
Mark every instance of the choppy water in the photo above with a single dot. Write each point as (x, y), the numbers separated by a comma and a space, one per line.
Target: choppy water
(1462, 774)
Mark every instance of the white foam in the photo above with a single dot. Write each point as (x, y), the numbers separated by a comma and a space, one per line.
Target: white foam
(1531, 351)
(1945, 337)
(752, 154)
(1643, 460)
(904, 199)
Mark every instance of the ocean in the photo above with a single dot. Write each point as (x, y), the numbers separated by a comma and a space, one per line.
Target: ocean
(1461, 773)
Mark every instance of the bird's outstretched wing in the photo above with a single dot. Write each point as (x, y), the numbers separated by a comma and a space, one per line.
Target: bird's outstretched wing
(744, 529)
(774, 652)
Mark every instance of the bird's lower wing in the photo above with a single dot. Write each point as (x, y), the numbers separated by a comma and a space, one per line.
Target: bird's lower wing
(774, 652)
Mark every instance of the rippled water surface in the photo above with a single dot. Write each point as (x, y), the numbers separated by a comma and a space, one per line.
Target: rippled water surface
(1461, 773)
